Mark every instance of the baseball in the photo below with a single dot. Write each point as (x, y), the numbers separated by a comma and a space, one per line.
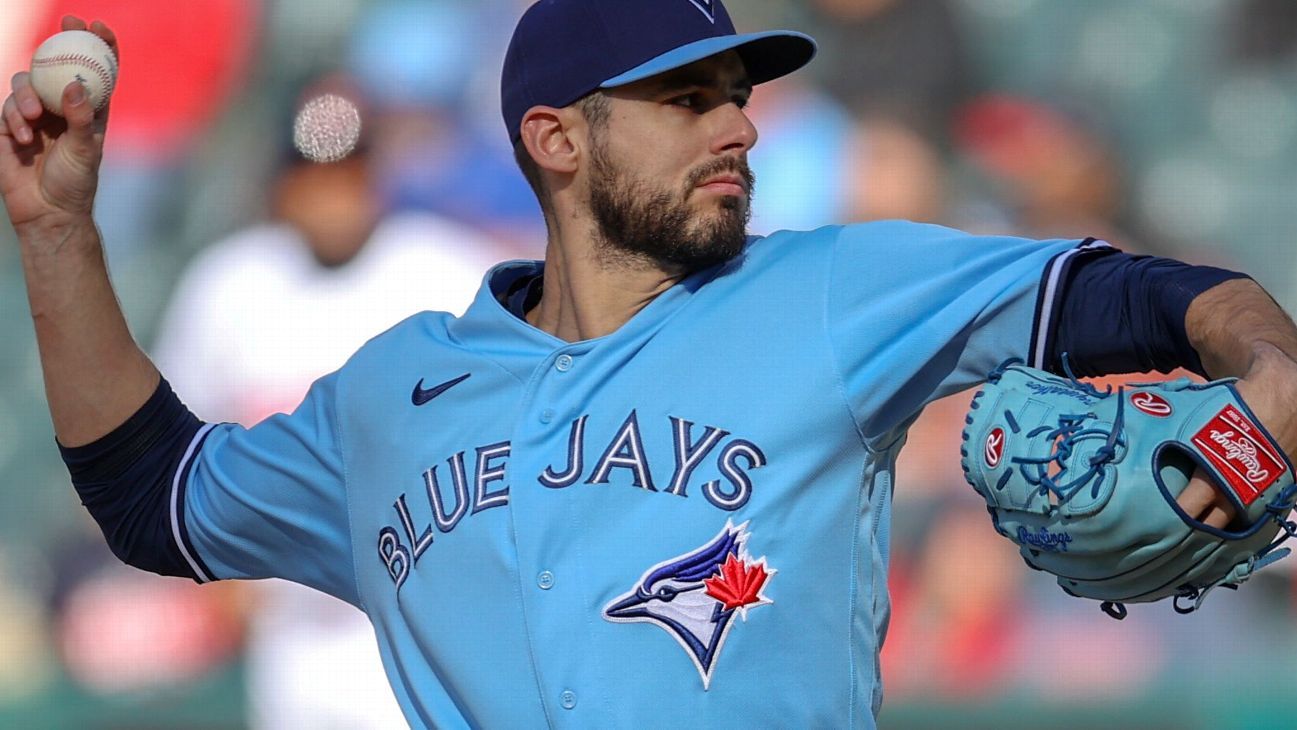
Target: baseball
(73, 55)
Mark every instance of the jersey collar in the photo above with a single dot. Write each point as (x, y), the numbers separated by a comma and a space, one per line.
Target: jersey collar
(490, 329)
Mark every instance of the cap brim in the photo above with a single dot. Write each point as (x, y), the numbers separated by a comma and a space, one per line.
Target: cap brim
(766, 55)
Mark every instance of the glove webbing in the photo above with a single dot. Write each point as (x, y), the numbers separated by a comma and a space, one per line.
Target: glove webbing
(1069, 430)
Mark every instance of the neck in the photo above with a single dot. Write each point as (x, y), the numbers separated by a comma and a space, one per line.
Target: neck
(588, 294)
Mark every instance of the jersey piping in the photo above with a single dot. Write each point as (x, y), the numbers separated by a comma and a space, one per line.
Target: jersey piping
(1050, 296)
(179, 532)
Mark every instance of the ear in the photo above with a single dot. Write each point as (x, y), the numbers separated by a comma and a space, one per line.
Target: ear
(548, 135)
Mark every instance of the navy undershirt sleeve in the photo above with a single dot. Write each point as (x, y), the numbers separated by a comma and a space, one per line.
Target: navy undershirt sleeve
(125, 481)
(1121, 313)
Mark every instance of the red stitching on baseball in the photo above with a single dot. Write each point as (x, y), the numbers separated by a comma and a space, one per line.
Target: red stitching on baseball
(90, 63)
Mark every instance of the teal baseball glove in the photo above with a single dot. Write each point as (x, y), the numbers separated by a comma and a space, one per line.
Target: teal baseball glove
(1085, 482)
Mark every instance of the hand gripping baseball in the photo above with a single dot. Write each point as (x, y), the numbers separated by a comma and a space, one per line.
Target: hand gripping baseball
(49, 166)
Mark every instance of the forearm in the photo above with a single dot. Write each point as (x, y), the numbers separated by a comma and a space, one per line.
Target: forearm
(96, 376)
(1232, 322)
(1240, 331)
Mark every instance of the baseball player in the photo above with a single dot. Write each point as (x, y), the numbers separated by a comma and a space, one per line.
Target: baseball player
(646, 481)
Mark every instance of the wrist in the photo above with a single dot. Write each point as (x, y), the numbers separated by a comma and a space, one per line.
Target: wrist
(57, 233)
(1269, 387)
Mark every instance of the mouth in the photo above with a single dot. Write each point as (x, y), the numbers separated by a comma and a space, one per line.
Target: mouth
(728, 184)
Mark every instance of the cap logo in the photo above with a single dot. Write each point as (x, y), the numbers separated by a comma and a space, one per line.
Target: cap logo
(706, 8)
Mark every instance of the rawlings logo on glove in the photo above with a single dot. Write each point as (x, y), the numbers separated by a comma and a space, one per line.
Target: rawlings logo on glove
(1085, 482)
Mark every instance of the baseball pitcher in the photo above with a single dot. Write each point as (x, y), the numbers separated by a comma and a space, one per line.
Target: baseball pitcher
(646, 481)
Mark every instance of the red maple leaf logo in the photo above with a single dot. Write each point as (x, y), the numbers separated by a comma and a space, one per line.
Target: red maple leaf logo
(738, 584)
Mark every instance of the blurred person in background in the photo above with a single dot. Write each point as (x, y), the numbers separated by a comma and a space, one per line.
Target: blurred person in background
(260, 315)
(1261, 32)
(430, 150)
(819, 164)
(958, 605)
(802, 159)
(892, 171)
(1055, 173)
(865, 145)
(123, 635)
(908, 59)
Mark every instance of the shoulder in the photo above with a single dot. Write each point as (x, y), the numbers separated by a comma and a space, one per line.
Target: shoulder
(875, 234)
(416, 337)
(898, 234)
(412, 334)
(787, 248)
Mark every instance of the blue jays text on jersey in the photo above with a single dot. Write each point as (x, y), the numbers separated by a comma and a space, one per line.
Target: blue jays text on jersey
(400, 550)
(692, 512)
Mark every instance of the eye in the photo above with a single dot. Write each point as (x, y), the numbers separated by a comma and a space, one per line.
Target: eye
(666, 593)
(687, 101)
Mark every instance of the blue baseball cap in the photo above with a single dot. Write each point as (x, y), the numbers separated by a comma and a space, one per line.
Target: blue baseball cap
(565, 49)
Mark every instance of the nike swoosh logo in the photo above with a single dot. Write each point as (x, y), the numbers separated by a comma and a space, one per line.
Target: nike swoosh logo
(421, 396)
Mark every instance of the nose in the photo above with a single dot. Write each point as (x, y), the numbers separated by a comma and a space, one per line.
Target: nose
(735, 132)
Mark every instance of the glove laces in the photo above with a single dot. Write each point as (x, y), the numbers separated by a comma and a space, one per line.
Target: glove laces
(1071, 429)
(1277, 510)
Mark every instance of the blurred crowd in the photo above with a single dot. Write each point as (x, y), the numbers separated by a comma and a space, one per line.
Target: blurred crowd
(1167, 127)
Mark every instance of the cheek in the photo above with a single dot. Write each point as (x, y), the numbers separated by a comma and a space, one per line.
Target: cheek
(660, 154)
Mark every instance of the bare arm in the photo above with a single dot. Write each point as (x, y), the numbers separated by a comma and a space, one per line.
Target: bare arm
(1239, 331)
(1230, 323)
(96, 375)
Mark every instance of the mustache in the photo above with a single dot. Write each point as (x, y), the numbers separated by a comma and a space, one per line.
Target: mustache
(723, 165)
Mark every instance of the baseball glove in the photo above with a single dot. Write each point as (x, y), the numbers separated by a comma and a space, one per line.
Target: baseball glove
(1085, 483)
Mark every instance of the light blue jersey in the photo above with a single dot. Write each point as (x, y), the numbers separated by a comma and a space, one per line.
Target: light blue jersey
(683, 523)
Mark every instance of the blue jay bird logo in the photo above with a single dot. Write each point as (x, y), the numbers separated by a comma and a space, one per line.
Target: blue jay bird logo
(695, 596)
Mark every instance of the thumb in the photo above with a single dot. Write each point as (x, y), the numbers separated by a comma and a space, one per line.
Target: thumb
(80, 116)
(71, 172)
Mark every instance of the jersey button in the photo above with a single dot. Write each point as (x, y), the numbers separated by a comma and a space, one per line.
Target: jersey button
(567, 699)
(563, 363)
(547, 415)
(545, 580)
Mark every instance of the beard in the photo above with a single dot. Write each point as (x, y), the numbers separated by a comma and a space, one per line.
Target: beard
(642, 223)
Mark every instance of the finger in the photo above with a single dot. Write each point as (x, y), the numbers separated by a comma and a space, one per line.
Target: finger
(1217, 518)
(72, 22)
(1202, 501)
(101, 29)
(1196, 498)
(28, 103)
(13, 120)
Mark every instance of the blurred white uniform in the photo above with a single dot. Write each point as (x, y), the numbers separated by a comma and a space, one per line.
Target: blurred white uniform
(254, 320)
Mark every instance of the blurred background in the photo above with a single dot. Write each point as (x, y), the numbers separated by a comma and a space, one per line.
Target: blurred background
(1168, 127)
